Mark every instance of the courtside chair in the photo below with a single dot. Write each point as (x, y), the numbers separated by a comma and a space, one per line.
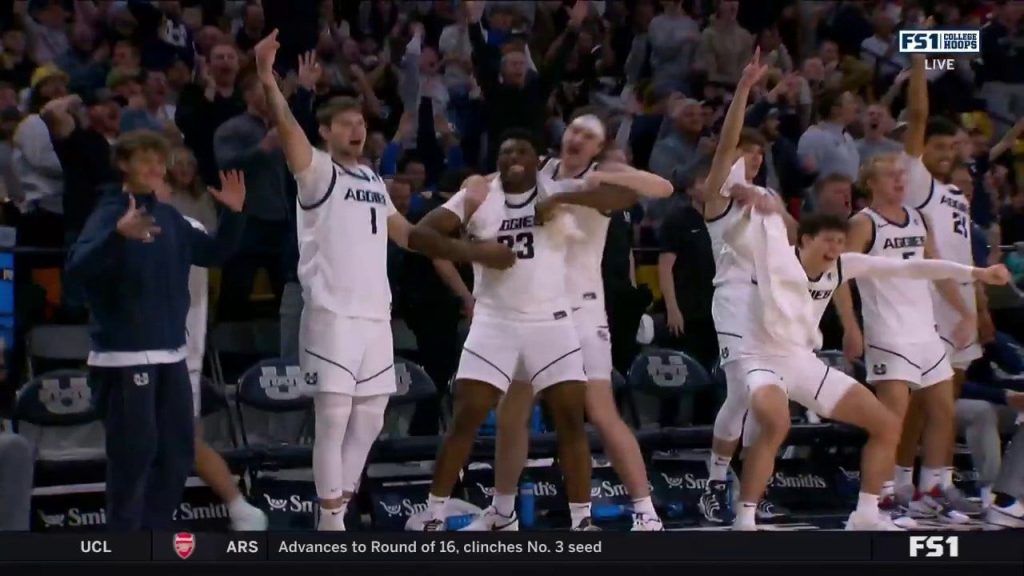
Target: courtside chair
(664, 381)
(274, 407)
(233, 347)
(51, 347)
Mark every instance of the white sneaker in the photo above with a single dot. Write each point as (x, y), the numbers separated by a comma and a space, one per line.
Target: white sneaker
(331, 521)
(890, 508)
(1011, 516)
(934, 503)
(872, 523)
(646, 523)
(416, 521)
(250, 519)
(490, 520)
(736, 527)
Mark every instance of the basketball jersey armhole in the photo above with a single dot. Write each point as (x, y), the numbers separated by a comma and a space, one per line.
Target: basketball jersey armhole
(931, 192)
(839, 271)
(874, 235)
(325, 197)
(924, 221)
(724, 213)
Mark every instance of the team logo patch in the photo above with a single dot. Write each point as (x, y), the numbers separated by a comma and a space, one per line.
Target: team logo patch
(724, 353)
(879, 369)
(184, 544)
(560, 315)
(141, 379)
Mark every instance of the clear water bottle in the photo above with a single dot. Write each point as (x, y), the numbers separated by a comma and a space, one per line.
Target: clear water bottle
(527, 503)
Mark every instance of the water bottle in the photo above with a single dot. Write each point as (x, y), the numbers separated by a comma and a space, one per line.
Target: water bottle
(455, 523)
(608, 511)
(527, 503)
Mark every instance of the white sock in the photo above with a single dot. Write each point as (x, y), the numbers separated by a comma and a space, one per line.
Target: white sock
(505, 504)
(746, 514)
(930, 478)
(947, 477)
(888, 488)
(240, 507)
(718, 467)
(644, 506)
(435, 506)
(904, 476)
(578, 511)
(867, 505)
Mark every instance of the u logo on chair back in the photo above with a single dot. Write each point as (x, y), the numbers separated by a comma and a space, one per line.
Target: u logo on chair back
(275, 386)
(59, 398)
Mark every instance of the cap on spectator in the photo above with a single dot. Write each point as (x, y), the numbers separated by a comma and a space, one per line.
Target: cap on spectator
(46, 72)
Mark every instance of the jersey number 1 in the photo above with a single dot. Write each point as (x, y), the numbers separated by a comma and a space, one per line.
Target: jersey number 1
(373, 220)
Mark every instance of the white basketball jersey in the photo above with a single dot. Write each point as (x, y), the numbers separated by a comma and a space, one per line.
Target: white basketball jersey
(343, 239)
(949, 214)
(897, 309)
(533, 289)
(822, 288)
(583, 257)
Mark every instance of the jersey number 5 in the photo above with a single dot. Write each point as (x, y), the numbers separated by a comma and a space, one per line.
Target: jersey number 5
(960, 225)
(521, 244)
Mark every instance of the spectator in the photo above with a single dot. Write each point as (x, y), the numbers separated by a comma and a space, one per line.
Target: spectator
(84, 62)
(35, 160)
(209, 102)
(515, 96)
(781, 170)
(672, 39)
(253, 27)
(833, 194)
(249, 143)
(15, 65)
(877, 124)
(686, 267)
(125, 58)
(15, 482)
(725, 46)
(685, 146)
(880, 52)
(1002, 71)
(161, 34)
(188, 192)
(826, 147)
(774, 53)
(10, 117)
(46, 26)
(457, 54)
(155, 113)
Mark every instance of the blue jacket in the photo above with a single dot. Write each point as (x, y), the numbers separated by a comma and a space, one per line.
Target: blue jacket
(138, 291)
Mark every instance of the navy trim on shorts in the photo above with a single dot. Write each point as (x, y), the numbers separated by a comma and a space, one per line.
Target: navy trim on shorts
(320, 202)
(936, 365)
(895, 354)
(390, 366)
(761, 370)
(954, 346)
(729, 334)
(553, 362)
(489, 363)
(822, 383)
(329, 361)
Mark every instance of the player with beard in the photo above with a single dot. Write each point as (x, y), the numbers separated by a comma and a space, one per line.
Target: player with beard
(522, 327)
(583, 145)
(778, 373)
(345, 220)
(742, 152)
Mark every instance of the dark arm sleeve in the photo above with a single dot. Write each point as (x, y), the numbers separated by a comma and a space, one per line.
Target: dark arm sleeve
(209, 250)
(97, 247)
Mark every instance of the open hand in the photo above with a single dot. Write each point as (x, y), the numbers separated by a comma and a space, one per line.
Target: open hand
(674, 320)
(136, 224)
(232, 190)
(309, 70)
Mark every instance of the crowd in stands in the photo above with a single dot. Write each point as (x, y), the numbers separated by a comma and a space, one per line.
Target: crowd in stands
(440, 80)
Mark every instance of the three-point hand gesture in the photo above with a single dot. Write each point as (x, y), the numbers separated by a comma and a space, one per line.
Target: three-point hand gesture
(753, 71)
(265, 52)
(136, 224)
(232, 190)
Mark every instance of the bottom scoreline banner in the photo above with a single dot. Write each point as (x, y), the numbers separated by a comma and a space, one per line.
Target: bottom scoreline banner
(535, 547)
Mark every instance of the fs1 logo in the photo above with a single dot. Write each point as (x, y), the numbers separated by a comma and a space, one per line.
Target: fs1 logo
(940, 41)
(935, 546)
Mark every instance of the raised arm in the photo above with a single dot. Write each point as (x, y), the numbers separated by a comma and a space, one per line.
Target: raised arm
(642, 182)
(714, 202)
(866, 266)
(917, 108)
(210, 250)
(297, 150)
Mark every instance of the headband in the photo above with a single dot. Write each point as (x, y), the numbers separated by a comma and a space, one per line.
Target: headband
(591, 123)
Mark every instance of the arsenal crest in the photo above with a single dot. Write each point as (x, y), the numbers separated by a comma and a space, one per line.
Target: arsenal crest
(184, 544)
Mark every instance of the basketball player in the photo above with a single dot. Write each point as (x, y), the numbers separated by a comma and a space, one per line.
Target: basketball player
(930, 148)
(583, 145)
(779, 374)
(209, 464)
(903, 351)
(345, 221)
(731, 305)
(522, 328)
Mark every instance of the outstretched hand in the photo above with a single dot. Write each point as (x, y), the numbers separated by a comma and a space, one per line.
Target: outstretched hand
(232, 190)
(136, 224)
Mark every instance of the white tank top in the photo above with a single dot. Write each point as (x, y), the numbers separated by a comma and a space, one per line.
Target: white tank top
(533, 289)
(583, 257)
(343, 239)
(897, 310)
(823, 287)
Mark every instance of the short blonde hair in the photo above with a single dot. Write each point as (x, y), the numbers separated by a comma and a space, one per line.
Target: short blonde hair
(870, 170)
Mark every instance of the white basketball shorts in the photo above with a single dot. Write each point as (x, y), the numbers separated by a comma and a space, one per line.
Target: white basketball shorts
(595, 341)
(946, 319)
(803, 376)
(498, 351)
(346, 355)
(919, 364)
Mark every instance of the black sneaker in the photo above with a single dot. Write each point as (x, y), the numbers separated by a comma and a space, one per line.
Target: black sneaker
(586, 525)
(766, 511)
(714, 503)
(434, 525)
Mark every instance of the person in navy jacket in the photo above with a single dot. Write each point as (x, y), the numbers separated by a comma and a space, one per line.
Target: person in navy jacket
(132, 264)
